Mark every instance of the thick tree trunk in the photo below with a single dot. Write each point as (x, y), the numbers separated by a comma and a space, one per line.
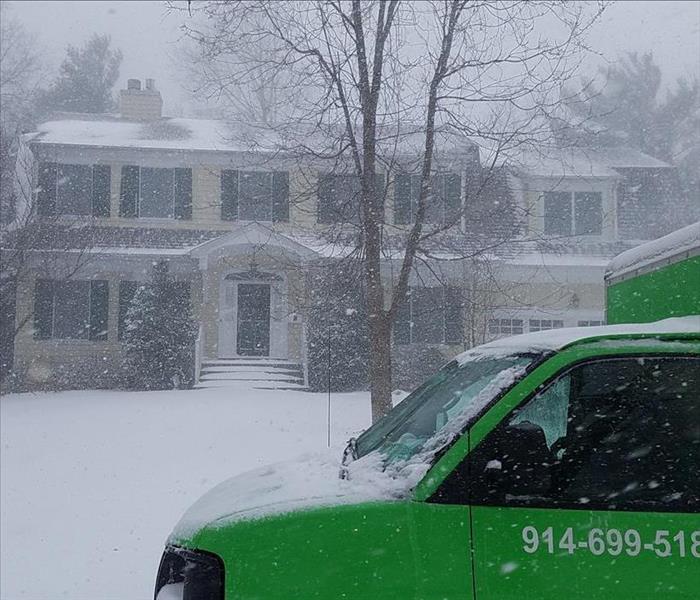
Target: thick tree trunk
(379, 319)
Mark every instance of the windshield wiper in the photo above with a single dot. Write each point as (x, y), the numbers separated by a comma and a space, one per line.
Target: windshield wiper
(349, 455)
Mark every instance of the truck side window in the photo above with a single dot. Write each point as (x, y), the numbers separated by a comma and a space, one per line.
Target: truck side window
(614, 434)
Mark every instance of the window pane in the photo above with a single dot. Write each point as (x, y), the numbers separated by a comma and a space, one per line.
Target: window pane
(549, 410)
(616, 434)
(590, 323)
(403, 212)
(339, 199)
(72, 310)
(557, 213)
(156, 193)
(74, 190)
(589, 213)
(402, 324)
(255, 196)
(427, 313)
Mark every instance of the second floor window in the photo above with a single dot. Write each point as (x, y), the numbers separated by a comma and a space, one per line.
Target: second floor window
(443, 203)
(430, 316)
(75, 190)
(339, 198)
(578, 213)
(255, 196)
(71, 309)
(150, 192)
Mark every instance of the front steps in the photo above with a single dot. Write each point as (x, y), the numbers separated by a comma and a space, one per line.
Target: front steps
(259, 372)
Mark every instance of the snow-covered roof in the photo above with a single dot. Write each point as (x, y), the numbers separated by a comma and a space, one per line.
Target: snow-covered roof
(556, 339)
(585, 162)
(164, 134)
(681, 243)
(207, 135)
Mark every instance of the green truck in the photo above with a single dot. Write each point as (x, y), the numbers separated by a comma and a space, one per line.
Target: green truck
(560, 464)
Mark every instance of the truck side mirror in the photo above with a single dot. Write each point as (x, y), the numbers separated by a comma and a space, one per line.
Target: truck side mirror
(518, 462)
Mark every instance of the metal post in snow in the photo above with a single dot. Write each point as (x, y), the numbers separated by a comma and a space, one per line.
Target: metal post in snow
(329, 383)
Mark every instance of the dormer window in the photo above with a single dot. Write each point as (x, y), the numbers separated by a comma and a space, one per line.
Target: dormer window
(577, 213)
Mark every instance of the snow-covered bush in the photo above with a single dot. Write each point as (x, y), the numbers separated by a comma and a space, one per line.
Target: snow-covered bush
(414, 363)
(160, 334)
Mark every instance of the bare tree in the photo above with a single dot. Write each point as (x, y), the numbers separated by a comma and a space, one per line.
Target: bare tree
(385, 79)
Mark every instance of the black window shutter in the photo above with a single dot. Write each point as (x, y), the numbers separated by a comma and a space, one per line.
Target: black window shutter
(280, 196)
(326, 210)
(453, 198)
(129, 197)
(43, 308)
(402, 199)
(127, 290)
(183, 193)
(99, 307)
(229, 195)
(101, 190)
(454, 316)
(380, 183)
(46, 195)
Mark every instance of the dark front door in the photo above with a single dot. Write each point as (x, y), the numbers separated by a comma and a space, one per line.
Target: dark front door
(253, 333)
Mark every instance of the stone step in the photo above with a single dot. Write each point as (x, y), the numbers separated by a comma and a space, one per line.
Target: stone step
(235, 376)
(271, 372)
(255, 384)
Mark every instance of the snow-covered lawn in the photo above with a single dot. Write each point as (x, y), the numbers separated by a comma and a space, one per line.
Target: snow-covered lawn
(92, 482)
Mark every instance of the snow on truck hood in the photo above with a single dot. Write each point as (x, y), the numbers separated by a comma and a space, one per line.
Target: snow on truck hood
(556, 339)
(311, 481)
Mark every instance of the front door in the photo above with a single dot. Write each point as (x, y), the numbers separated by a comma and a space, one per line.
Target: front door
(253, 319)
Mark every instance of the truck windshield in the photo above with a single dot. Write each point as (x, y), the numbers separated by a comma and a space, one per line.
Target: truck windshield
(443, 404)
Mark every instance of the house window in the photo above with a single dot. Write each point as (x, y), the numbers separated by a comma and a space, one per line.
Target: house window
(430, 316)
(544, 324)
(254, 195)
(71, 309)
(578, 213)
(157, 193)
(149, 192)
(339, 198)
(590, 323)
(505, 326)
(443, 203)
(75, 190)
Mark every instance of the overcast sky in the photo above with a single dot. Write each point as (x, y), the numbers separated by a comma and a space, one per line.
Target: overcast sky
(148, 36)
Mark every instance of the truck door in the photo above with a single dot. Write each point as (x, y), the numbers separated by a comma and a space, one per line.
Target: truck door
(591, 488)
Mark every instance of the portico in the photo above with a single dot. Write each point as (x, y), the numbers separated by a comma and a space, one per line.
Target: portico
(253, 295)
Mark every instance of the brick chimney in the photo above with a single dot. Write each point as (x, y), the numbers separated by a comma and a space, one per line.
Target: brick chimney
(136, 104)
